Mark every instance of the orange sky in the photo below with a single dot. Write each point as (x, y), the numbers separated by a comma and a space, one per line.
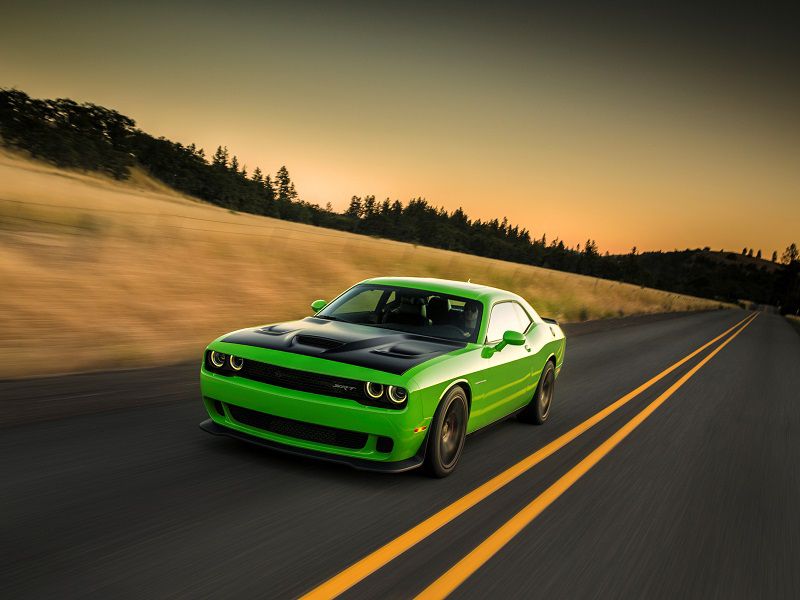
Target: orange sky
(565, 132)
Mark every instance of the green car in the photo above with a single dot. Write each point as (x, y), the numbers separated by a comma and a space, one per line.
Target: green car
(391, 375)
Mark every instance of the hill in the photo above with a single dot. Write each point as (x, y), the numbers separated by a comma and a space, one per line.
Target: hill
(97, 139)
(101, 273)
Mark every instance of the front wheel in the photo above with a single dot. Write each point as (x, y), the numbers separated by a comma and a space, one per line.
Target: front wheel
(447, 434)
(539, 408)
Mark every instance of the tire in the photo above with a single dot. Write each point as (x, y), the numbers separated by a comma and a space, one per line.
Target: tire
(447, 433)
(538, 410)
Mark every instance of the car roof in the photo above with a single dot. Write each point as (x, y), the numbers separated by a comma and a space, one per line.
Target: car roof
(465, 289)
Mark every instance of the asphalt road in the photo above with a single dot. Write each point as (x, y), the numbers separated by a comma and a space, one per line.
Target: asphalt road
(701, 500)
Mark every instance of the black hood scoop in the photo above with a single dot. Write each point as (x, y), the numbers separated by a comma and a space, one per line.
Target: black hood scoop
(317, 342)
(372, 347)
(411, 349)
(279, 329)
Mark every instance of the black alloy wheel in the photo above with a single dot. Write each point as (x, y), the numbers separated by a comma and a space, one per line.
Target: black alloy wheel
(538, 410)
(447, 434)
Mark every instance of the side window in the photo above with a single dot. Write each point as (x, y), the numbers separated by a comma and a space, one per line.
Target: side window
(522, 316)
(503, 317)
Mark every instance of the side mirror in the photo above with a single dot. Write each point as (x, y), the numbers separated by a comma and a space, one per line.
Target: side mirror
(318, 305)
(510, 338)
(513, 338)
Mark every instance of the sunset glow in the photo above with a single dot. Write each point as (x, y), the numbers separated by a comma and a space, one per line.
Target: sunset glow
(656, 141)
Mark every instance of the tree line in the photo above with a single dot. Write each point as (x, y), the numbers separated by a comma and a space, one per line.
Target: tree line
(93, 138)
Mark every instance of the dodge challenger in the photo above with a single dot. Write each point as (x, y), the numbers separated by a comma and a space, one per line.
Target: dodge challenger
(391, 375)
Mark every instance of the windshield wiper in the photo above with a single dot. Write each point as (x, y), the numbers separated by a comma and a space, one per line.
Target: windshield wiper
(331, 318)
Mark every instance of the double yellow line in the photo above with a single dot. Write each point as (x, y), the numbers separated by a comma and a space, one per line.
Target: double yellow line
(457, 574)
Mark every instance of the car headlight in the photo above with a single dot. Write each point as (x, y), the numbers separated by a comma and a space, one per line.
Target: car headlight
(397, 395)
(236, 362)
(217, 359)
(374, 390)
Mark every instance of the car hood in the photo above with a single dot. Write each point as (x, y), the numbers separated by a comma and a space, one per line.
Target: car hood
(372, 347)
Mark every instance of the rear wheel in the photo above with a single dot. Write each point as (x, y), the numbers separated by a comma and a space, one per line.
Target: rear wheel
(539, 408)
(447, 434)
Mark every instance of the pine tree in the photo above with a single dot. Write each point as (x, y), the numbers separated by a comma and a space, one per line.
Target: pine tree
(220, 159)
(258, 176)
(285, 187)
(267, 203)
(369, 207)
(774, 256)
(791, 254)
(758, 254)
(235, 164)
(354, 209)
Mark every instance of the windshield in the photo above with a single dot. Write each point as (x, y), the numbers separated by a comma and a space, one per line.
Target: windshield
(410, 310)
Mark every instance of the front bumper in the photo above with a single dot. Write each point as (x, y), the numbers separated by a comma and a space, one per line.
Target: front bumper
(357, 463)
(291, 409)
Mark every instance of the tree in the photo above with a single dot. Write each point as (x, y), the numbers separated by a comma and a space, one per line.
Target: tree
(286, 191)
(220, 158)
(774, 256)
(68, 134)
(750, 253)
(258, 176)
(354, 209)
(369, 207)
(268, 187)
(791, 254)
(235, 164)
(758, 254)
(744, 251)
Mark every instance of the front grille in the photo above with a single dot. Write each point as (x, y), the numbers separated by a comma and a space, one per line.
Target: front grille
(302, 381)
(300, 430)
(293, 379)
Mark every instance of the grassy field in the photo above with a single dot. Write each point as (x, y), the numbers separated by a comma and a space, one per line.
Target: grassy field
(100, 274)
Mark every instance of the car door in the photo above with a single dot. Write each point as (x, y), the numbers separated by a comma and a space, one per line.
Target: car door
(505, 384)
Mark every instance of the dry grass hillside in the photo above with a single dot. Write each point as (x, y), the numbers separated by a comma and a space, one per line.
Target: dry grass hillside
(99, 274)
